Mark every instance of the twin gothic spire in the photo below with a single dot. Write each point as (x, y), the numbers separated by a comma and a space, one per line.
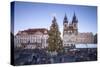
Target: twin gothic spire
(68, 28)
(74, 19)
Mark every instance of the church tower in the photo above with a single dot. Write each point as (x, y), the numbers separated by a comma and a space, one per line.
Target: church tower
(65, 25)
(75, 24)
(70, 31)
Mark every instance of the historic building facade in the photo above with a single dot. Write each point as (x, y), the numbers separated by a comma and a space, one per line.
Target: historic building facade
(37, 38)
(71, 35)
(32, 38)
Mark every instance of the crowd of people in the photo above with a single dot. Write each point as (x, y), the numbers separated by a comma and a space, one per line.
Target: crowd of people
(40, 56)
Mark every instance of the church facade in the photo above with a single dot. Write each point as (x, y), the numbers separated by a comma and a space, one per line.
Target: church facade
(71, 35)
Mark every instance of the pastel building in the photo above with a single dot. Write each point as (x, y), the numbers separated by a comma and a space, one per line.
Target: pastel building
(32, 38)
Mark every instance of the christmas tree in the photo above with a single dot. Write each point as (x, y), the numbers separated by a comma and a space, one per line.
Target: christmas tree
(54, 40)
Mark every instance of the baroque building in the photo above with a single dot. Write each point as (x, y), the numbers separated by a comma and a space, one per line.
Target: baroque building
(32, 38)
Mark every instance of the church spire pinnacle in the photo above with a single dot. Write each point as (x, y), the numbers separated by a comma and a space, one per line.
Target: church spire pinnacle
(74, 20)
(65, 19)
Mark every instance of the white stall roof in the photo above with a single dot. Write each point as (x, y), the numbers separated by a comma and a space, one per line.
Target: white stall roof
(86, 45)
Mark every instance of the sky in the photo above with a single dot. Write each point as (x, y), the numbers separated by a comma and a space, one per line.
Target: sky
(40, 15)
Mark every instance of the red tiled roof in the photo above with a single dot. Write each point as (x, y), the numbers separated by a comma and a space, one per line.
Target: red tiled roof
(33, 31)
